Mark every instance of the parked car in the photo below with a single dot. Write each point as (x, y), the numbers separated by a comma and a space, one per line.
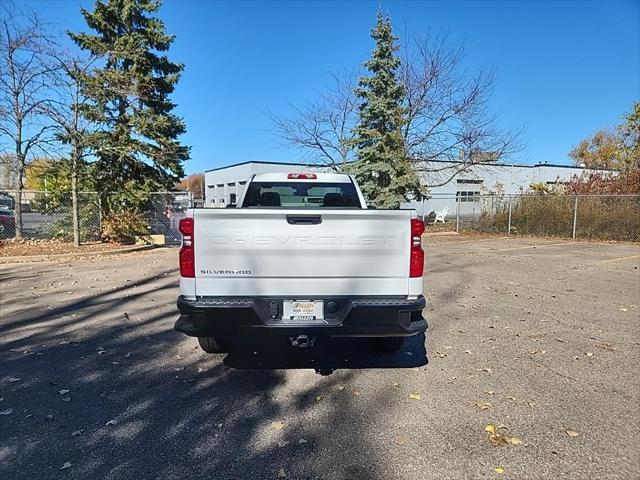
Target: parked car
(7, 223)
(300, 258)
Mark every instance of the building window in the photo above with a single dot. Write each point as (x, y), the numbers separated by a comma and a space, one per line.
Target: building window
(468, 196)
(232, 198)
(469, 181)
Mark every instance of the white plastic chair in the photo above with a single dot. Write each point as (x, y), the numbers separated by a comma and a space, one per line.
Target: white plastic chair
(441, 215)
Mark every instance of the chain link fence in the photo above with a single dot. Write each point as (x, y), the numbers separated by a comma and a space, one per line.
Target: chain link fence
(597, 217)
(49, 215)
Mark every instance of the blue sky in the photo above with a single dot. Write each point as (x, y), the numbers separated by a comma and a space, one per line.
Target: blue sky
(563, 69)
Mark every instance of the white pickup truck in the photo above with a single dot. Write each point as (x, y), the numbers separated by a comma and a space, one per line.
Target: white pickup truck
(300, 257)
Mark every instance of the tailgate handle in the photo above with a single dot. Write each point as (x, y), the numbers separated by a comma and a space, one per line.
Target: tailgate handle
(304, 219)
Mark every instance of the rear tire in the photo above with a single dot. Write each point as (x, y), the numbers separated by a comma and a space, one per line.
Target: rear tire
(388, 344)
(212, 345)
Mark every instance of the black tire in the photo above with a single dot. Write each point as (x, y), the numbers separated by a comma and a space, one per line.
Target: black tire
(213, 345)
(388, 344)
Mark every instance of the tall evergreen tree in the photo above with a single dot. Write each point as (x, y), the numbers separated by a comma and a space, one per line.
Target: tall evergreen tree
(382, 170)
(136, 143)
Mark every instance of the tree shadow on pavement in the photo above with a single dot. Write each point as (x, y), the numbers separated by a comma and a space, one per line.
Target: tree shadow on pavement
(125, 396)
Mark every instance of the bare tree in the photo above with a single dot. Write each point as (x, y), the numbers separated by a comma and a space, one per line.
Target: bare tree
(25, 80)
(448, 124)
(323, 130)
(71, 128)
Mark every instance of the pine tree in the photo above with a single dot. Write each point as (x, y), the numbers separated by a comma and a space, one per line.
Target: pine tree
(136, 141)
(383, 172)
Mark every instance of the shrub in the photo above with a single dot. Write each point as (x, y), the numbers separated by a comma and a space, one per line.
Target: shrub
(124, 227)
(598, 217)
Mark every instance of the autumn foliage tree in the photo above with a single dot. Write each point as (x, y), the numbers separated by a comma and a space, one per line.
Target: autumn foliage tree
(194, 183)
(617, 149)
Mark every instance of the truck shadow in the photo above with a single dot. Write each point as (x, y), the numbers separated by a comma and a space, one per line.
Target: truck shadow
(327, 355)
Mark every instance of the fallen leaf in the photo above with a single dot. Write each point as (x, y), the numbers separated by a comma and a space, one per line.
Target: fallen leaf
(64, 391)
(468, 352)
(355, 392)
(281, 473)
(65, 466)
(415, 396)
(77, 433)
(489, 392)
(340, 387)
(111, 422)
(499, 470)
(488, 370)
(482, 405)
(623, 309)
(440, 355)
(511, 398)
(589, 354)
(13, 379)
(572, 433)
(490, 428)
(607, 346)
(66, 399)
(515, 441)
(396, 384)
(498, 440)
(277, 425)
(282, 443)
(400, 440)
(8, 411)
(318, 398)
(302, 441)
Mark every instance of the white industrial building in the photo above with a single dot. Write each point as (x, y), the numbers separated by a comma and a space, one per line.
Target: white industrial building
(225, 185)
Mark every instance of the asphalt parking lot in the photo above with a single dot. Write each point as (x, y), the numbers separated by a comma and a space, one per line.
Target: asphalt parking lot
(538, 338)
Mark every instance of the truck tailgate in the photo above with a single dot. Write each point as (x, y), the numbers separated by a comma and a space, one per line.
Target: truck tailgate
(302, 252)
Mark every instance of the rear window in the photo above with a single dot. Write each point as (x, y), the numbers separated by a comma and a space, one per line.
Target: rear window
(301, 195)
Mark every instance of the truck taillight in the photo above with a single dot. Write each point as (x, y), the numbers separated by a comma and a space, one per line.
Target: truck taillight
(307, 176)
(187, 254)
(416, 258)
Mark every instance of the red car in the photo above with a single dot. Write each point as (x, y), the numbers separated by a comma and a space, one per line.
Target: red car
(7, 223)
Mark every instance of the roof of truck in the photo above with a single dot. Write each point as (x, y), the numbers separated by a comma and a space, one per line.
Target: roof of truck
(284, 177)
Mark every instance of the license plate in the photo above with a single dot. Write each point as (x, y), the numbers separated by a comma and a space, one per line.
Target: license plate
(303, 310)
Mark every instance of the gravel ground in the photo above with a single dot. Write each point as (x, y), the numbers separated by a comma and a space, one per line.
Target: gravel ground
(540, 339)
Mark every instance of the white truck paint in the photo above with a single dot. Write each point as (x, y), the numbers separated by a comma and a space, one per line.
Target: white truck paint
(296, 247)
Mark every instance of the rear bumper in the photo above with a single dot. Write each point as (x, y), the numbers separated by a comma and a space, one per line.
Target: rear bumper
(344, 316)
